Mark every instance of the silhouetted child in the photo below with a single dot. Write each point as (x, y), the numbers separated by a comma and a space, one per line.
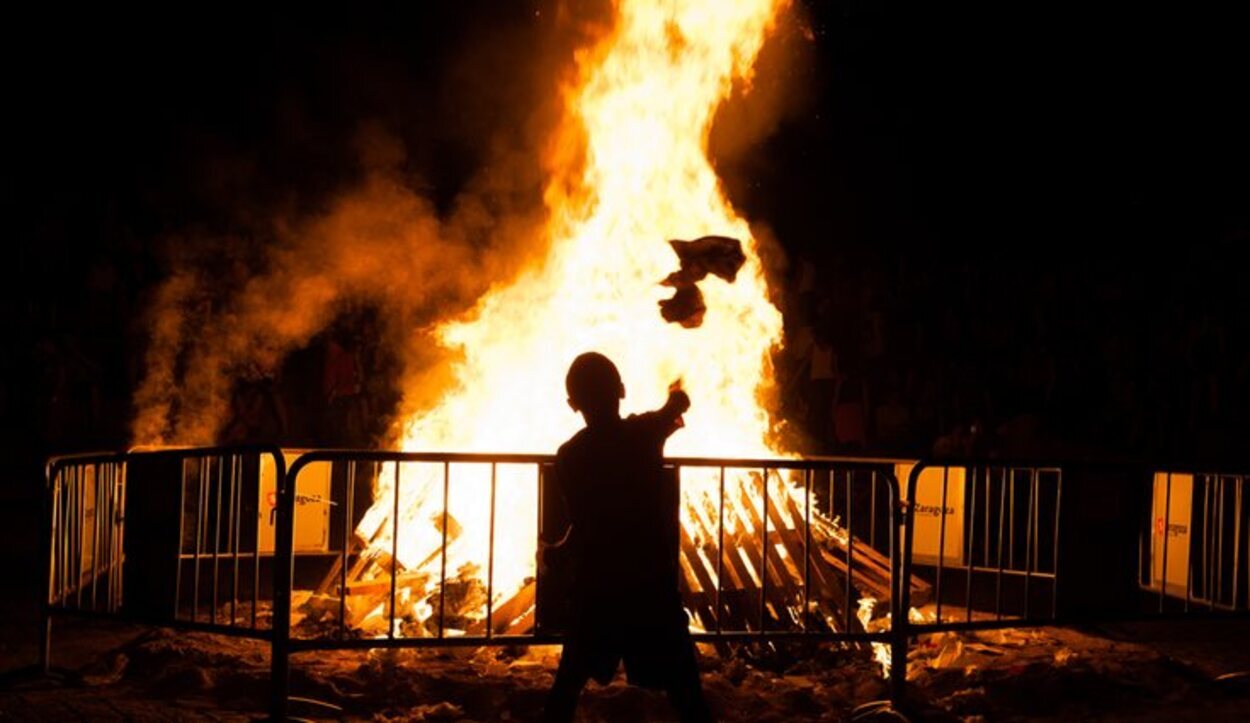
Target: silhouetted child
(623, 548)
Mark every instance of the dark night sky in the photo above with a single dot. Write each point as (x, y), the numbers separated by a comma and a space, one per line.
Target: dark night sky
(953, 127)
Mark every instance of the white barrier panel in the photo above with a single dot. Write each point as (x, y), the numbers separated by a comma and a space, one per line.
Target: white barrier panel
(312, 505)
(927, 513)
(1171, 514)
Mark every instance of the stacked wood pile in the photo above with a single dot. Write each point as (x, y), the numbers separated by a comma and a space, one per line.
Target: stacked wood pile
(744, 589)
(753, 595)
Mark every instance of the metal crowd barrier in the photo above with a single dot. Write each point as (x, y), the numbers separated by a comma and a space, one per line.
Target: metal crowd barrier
(235, 538)
(1190, 550)
(225, 499)
(772, 587)
(991, 543)
(203, 514)
(84, 502)
(991, 535)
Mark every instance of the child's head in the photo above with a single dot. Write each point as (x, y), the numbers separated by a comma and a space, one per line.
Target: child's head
(594, 386)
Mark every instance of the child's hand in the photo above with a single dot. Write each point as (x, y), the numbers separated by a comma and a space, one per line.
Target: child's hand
(678, 401)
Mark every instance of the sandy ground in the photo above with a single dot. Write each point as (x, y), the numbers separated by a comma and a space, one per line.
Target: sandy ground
(1153, 672)
(1140, 672)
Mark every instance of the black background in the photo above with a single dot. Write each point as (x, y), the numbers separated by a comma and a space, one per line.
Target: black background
(1090, 148)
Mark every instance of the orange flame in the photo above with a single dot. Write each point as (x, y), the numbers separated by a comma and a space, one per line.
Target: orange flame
(642, 110)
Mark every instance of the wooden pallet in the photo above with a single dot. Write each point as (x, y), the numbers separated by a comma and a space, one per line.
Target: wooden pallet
(801, 581)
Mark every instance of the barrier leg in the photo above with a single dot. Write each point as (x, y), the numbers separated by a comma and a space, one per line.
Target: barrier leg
(279, 651)
(279, 679)
(898, 665)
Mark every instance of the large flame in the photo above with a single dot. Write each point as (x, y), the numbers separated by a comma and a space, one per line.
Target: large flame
(645, 109)
(638, 121)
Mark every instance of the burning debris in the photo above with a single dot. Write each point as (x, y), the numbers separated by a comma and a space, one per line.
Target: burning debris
(719, 255)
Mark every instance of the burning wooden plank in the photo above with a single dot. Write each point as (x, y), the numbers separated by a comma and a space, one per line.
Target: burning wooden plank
(759, 585)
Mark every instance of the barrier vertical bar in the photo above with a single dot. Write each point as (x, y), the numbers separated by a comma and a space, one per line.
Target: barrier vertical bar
(941, 551)
(199, 542)
(720, 550)
(283, 573)
(490, 559)
(1029, 533)
(100, 473)
(182, 506)
(114, 554)
(985, 548)
(539, 478)
(850, 555)
(81, 491)
(764, 558)
(1206, 539)
(807, 546)
(67, 535)
(57, 567)
(1037, 511)
(872, 511)
(1221, 497)
(972, 528)
(1054, 589)
(1011, 521)
(121, 580)
(442, 588)
(64, 506)
(113, 558)
(1008, 474)
(893, 502)
(390, 631)
(98, 476)
(236, 526)
(212, 614)
(104, 521)
(1217, 556)
(1237, 512)
(47, 546)
(900, 623)
(831, 510)
(1210, 551)
(71, 534)
(1167, 523)
(1143, 540)
(256, 538)
(348, 514)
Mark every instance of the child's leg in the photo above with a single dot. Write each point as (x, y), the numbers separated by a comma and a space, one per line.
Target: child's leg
(687, 699)
(562, 699)
(685, 689)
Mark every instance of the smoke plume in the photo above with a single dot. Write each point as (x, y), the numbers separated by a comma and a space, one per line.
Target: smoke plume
(234, 306)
